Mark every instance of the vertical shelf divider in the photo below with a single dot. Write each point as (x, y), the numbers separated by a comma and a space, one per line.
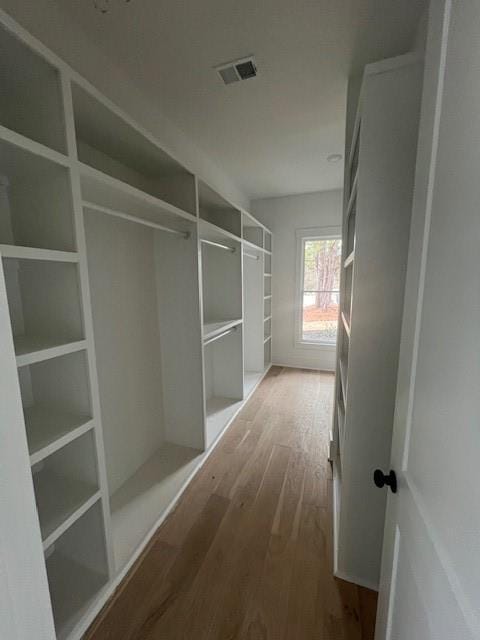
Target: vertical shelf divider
(87, 313)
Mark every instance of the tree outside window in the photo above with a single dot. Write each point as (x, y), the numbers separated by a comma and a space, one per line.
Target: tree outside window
(320, 290)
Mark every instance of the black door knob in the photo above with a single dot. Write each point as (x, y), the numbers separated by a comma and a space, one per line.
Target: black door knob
(381, 480)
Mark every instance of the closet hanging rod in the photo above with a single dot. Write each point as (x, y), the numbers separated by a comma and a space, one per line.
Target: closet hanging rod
(225, 247)
(220, 335)
(130, 218)
(250, 255)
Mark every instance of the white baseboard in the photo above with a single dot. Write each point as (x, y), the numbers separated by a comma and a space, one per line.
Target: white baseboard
(302, 366)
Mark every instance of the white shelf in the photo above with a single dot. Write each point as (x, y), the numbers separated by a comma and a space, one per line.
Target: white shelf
(267, 275)
(31, 349)
(212, 329)
(267, 339)
(70, 605)
(252, 245)
(27, 144)
(49, 429)
(217, 210)
(220, 411)
(139, 503)
(30, 253)
(268, 297)
(60, 502)
(267, 318)
(104, 190)
(211, 231)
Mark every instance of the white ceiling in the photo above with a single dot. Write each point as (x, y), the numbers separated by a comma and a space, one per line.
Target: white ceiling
(271, 134)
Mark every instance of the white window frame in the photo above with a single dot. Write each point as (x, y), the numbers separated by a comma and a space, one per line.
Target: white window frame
(312, 233)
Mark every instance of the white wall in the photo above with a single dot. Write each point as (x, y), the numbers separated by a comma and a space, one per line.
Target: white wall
(284, 216)
(46, 20)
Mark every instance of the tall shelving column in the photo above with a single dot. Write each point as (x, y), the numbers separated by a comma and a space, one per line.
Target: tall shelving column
(267, 298)
(42, 265)
(379, 177)
(78, 213)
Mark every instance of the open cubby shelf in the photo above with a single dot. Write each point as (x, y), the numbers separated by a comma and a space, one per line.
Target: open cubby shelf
(77, 569)
(268, 241)
(58, 500)
(44, 305)
(100, 189)
(29, 215)
(267, 352)
(215, 209)
(109, 143)
(65, 485)
(223, 366)
(31, 93)
(252, 231)
(49, 429)
(139, 502)
(221, 284)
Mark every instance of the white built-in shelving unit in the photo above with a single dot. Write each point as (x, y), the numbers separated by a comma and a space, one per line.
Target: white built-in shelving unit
(140, 316)
(379, 176)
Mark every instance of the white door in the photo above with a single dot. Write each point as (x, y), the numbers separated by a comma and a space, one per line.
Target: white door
(430, 584)
(25, 611)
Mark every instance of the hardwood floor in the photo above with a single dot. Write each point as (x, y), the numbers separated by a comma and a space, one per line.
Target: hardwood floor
(247, 552)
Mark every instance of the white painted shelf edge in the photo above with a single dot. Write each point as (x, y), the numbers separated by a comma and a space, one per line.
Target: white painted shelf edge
(212, 329)
(49, 430)
(40, 350)
(31, 253)
(115, 184)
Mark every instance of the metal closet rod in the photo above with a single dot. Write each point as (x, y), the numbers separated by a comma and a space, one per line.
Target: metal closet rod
(219, 245)
(220, 335)
(127, 216)
(251, 255)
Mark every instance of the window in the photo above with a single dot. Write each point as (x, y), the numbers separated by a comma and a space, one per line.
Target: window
(319, 294)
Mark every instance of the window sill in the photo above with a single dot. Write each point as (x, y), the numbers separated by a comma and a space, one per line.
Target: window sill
(322, 346)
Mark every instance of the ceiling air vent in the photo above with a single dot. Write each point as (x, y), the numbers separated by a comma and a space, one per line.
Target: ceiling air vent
(237, 70)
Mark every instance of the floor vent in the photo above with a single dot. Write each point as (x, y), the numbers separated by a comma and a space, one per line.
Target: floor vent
(242, 69)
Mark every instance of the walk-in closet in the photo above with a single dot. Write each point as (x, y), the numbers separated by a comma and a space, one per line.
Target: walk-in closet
(140, 311)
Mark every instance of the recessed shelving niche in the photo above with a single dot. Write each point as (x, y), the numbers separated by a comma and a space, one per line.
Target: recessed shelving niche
(77, 569)
(223, 365)
(44, 304)
(218, 211)
(268, 263)
(268, 240)
(113, 146)
(31, 101)
(36, 207)
(221, 280)
(252, 231)
(56, 402)
(64, 483)
(253, 290)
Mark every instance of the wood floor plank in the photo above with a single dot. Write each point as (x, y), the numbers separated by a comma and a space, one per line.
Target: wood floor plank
(137, 597)
(247, 558)
(267, 611)
(247, 552)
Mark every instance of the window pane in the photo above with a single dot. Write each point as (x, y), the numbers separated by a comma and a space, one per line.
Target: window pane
(321, 296)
